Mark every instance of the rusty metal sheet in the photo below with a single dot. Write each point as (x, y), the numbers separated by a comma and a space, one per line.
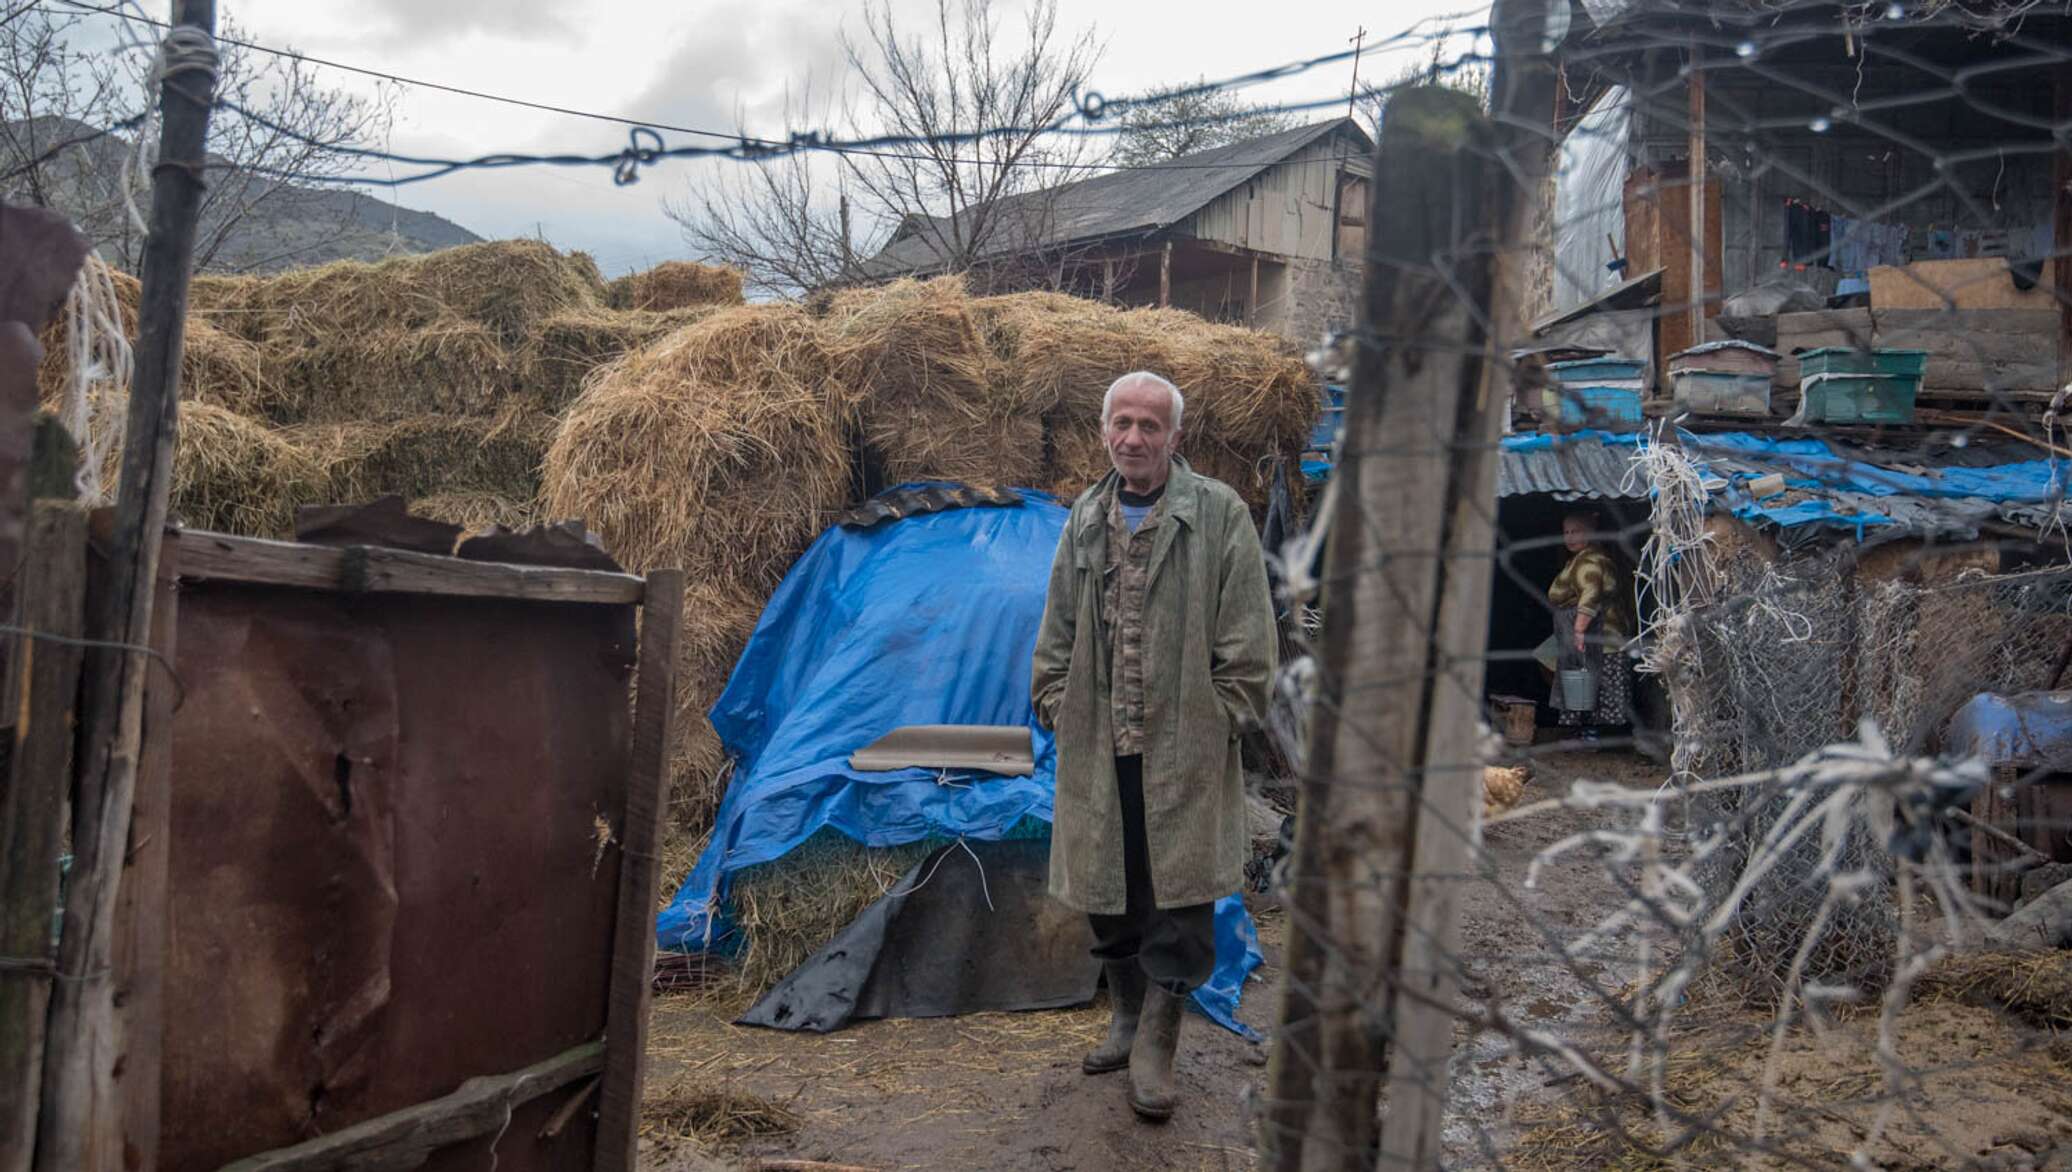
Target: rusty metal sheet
(387, 869)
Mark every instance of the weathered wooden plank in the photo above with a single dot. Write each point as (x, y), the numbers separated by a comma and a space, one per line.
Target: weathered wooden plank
(1970, 283)
(140, 910)
(221, 557)
(633, 939)
(80, 1121)
(1448, 782)
(1358, 805)
(405, 1139)
(51, 599)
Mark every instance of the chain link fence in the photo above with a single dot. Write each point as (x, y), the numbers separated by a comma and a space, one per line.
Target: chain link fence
(1771, 304)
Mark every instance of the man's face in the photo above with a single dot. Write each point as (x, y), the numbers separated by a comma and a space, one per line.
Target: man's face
(1140, 435)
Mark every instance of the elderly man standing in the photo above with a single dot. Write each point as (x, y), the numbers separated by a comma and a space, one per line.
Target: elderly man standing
(1155, 655)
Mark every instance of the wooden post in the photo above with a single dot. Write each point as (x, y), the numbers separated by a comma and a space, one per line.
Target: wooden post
(1399, 489)
(1108, 280)
(2061, 223)
(51, 599)
(1449, 779)
(1165, 275)
(633, 939)
(80, 1110)
(1698, 226)
(141, 920)
(1252, 305)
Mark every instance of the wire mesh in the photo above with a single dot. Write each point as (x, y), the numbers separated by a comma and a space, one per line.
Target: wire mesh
(1758, 909)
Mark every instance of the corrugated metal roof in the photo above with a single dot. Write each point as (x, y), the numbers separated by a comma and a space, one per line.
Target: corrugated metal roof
(1120, 202)
(1583, 468)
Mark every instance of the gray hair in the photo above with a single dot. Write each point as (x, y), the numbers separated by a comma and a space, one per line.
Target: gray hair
(1143, 376)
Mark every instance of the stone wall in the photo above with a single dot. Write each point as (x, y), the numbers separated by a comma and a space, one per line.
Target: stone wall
(1323, 296)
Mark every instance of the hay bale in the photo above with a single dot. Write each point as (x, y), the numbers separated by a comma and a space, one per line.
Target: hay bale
(720, 449)
(717, 621)
(786, 909)
(428, 455)
(504, 286)
(572, 345)
(476, 511)
(444, 364)
(677, 284)
(1249, 394)
(236, 475)
(933, 400)
(216, 367)
(2033, 985)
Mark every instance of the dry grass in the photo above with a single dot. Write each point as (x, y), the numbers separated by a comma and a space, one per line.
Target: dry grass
(430, 455)
(216, 367)
(445, 364)
(476, 511)
(690, 1110)
(717, 621)
(677, 284)
(235, 475)
(1249, 394)
(720, 449)
(787, 909)
(935, 402)
(570, 346)
(2035, 986)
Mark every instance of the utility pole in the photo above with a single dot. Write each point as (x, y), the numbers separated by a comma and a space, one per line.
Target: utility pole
(81, 1121)
(1358, 41)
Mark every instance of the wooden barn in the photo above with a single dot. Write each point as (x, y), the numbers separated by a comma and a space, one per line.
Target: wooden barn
(1267, 233)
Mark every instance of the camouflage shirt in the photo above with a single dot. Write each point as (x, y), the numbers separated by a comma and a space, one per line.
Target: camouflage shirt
(1126, 575)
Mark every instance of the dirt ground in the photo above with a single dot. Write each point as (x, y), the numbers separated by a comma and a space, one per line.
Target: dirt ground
(1004, 1091)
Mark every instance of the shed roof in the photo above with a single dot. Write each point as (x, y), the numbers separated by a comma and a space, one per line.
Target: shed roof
(1119, 203)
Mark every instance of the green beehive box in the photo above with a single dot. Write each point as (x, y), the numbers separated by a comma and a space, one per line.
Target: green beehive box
(1858, 398)
(1849, 360)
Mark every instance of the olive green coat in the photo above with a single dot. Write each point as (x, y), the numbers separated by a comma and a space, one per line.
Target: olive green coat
(1209, 650)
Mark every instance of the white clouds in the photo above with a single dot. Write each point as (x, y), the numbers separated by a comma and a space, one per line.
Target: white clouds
(717, 65)
(403, 21)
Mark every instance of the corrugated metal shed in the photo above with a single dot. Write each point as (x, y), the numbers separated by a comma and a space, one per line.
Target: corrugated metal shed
(1581, 469)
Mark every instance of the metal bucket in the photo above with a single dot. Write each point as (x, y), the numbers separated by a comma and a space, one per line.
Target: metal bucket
(1578, 689)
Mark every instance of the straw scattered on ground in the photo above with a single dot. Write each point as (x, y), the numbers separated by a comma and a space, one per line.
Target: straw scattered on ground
(692, 1110)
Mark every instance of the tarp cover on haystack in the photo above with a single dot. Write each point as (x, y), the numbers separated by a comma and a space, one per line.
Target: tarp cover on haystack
(927, 620)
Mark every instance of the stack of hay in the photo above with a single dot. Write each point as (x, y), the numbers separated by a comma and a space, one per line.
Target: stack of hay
(728, 446)
(505, 382)
(437, 377)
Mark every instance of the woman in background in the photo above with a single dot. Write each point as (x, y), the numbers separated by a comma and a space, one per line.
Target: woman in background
(1592, 622)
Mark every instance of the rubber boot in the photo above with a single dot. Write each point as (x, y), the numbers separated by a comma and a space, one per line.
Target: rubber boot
(1126, 1000)
(1151, 1059)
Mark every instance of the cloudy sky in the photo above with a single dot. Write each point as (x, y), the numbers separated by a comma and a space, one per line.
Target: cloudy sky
(713, 63)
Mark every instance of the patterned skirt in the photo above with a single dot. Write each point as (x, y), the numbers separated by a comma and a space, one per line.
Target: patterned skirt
(1604, 660)
(1614, 692)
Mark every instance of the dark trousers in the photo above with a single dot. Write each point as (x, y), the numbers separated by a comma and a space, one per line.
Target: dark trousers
(1176, 946)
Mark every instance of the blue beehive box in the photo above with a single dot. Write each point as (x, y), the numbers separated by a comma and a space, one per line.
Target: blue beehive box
(1596, 391)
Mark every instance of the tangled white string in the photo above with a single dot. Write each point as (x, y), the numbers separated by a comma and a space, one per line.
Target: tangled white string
(100, 363)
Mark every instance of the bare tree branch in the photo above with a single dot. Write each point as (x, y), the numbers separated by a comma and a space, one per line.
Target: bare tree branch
(271, 193)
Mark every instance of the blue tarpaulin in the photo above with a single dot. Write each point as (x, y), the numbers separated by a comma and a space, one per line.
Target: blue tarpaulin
(1832, 487)
(2031, 729)
(927, 620)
